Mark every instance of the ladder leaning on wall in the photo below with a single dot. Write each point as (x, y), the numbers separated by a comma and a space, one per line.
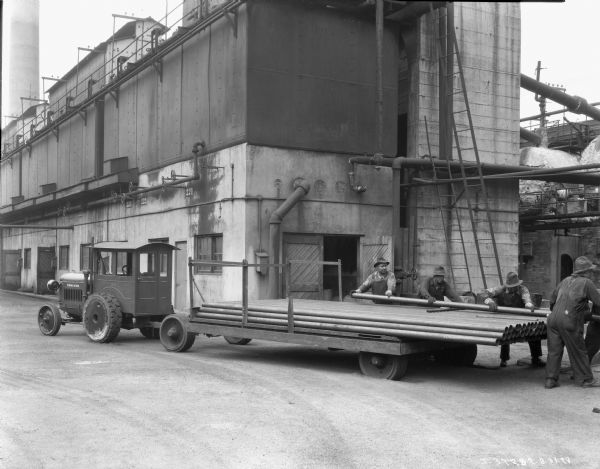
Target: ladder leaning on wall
(470, 185)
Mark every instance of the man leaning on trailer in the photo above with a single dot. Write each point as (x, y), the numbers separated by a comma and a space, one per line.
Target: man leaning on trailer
(513, 294)
(380, 282)
(435, 288)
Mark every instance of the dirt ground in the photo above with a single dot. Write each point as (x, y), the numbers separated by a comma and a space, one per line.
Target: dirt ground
(66, 402)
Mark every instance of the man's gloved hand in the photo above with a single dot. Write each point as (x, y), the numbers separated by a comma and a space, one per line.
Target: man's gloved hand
(530, 307)
(491, 305)
(357, 291)
(388, 293)
(430, 300)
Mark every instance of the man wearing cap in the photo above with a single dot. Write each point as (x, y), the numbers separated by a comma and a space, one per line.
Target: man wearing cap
(380, 282)
(569, 306)
(513, 294)
(435, 288)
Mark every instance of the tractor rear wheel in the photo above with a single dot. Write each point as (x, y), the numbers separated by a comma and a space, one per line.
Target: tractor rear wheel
(49, 320)
(102, 317)
(174, 334)
(237, 340)
(379, 365)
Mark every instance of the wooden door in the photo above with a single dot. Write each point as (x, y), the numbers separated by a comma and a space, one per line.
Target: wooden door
(306, 279)
(11, 269)
(46, 269)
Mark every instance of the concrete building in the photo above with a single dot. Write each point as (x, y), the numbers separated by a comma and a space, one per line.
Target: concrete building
(232, 140)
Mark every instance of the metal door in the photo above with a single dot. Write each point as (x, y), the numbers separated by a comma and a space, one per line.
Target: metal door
(306, 280)
(11, 269)
(181, 277)
(46, 269)
(154, 282)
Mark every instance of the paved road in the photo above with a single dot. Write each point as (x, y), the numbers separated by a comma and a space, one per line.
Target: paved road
(66, 402)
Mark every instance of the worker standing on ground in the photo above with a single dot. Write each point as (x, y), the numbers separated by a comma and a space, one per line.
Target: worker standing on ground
(380, 282)
(569, 306)
(513, 294)
(435, 288)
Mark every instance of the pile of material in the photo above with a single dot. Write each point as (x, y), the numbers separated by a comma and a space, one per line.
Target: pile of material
(473, 324)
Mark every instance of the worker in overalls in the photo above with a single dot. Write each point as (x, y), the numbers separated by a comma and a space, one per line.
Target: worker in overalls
(435, 288)
(513, 294)
(380, 282)
(569, 306)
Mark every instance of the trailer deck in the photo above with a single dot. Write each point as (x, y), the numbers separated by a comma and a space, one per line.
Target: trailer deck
(385, 335)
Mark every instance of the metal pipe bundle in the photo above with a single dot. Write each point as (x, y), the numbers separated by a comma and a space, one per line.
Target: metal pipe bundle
(382, 322)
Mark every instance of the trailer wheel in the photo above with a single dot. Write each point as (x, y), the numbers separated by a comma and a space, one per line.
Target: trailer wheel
(49, 320)
(378, 365)
(460, 356)
(102, 317)
(237, 340)
(174, 334)
(150, 332)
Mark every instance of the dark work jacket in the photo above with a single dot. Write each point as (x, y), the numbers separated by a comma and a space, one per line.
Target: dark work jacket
(569, 303)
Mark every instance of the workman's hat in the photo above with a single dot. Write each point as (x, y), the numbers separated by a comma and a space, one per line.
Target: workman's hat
(583, 264)
(380, 260)
(512, 280)
(439, 270)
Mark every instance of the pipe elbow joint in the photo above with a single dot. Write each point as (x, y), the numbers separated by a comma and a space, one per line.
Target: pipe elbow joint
(302, 184)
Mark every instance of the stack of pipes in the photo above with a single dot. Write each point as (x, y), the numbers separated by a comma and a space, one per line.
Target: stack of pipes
(470, 324)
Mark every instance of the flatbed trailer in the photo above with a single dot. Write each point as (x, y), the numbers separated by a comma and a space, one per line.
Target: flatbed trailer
(385, 336)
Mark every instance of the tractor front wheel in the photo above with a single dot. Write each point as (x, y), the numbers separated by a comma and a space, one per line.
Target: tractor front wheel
(102, 317)
(174, 334)
(49, 320)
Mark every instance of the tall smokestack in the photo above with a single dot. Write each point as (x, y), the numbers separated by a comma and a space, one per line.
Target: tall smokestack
(22, 44)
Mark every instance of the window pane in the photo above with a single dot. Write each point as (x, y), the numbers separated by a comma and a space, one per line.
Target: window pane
(84, 261)
(105, 262)
(124, 263)
(63, 257)
(164, 264)
(147, 263)
(27, 258)
(217, 253)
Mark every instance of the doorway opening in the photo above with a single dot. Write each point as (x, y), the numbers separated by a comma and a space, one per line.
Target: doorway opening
(566, 266)
(344, 248)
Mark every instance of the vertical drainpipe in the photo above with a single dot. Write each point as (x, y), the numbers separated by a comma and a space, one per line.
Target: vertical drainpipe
(301, 188)
(379, 74)
(99, 139)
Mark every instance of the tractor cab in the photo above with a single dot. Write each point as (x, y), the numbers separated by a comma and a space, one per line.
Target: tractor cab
(138, 275)
(128, 287)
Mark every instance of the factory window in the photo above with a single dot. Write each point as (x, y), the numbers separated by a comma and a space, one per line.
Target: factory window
(63, 258)
(209, 248)
(27, 258)
(85, 256)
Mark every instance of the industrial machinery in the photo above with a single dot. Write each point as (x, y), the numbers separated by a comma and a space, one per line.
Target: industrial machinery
(128, 287)
(385, 336)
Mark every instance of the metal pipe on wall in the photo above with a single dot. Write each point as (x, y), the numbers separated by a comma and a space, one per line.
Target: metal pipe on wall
(301, 188)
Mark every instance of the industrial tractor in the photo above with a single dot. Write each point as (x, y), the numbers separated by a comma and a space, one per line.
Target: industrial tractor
(128, 287)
